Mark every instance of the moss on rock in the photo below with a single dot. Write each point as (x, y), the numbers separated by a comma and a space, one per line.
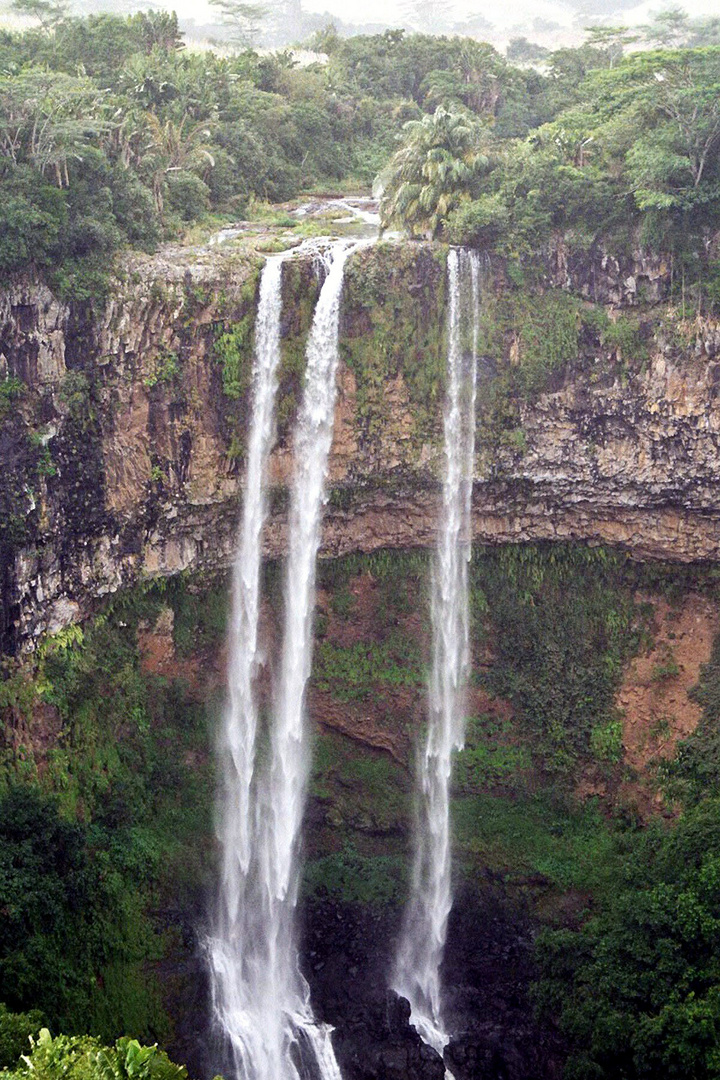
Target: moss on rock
(393, 325)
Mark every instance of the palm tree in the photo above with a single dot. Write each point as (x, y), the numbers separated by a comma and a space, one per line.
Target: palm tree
(50, 118)
(436, 168)
(173, 147)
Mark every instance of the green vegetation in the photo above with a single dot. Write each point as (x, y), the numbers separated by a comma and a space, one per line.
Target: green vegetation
(634, 981)
(543, 332)
(69, 915)
(394, 315)
(106, 793)
(106, 788)
(561, 846)
(301, 288)
(547, 333)
(232, 349)
(357, 672)
(635, 985)
(563, 624)
(11, 388)
(492, 759)
(436, 170)
(15, 1032)
(629, 151)
(112, 135)
(85, 1058)
(166, 369)
(363, 789)
(358, 856)
(352, 878)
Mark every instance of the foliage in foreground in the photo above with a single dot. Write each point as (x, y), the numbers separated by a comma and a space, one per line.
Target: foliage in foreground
(16, 1029)
(637, 986)
(82, 1057)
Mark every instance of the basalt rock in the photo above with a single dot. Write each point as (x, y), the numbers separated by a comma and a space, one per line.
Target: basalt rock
(348, 966)
(605, 277)
(487, 970)
(382, 1044)
(136, 413)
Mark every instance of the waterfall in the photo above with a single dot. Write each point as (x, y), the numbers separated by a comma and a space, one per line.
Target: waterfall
(261, 999)
(422, 941)
(241, 718)
(231, 950)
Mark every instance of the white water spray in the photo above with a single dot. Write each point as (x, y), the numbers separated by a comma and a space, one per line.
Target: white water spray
(261, 1000)
(241, 717)
(422, 942)
(231, 950)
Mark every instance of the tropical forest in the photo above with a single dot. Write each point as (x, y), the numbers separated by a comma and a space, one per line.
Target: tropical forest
(359, 542)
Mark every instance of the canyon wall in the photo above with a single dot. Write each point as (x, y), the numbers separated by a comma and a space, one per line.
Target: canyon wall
(122, 427)
(122, 436)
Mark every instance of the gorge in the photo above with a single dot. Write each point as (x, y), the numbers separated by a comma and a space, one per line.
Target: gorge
(359, 555)
(595, 527)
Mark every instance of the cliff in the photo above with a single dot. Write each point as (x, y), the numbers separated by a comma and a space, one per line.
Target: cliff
(122, 432)
(123, 426)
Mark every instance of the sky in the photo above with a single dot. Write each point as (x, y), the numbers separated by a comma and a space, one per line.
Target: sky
(509, 19)
(505, 16)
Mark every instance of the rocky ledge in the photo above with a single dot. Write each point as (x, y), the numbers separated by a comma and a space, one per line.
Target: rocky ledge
(135, 413)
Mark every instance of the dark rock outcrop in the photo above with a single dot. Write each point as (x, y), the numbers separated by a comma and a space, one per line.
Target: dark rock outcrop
(487, 970)
(381, 1044)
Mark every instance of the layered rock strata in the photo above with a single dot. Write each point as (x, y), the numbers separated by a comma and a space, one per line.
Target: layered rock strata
(139, 410)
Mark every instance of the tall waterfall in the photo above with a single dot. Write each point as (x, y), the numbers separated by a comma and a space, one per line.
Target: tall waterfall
(420, 951)
(261, 1000)
(241, 716)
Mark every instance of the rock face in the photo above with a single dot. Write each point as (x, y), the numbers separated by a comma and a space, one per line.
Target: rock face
(487, 966)
(136, 415)
(632, 461)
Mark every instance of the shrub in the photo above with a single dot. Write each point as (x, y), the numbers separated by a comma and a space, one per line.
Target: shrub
(188, 195)
(15, 1032)
(82, 1057)
(479, 223)
(636, 987)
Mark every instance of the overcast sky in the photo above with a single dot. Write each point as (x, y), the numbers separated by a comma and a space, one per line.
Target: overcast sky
(502, 15)
(508, 19)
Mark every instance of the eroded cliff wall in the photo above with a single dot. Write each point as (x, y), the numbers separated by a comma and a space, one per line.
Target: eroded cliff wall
(123, 428)
(122, 433)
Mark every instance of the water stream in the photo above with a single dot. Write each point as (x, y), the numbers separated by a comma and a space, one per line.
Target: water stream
(261, 999)
(232, 952)
(422, 941)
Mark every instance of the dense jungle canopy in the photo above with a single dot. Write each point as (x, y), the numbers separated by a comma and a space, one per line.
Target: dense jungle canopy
(113, 134)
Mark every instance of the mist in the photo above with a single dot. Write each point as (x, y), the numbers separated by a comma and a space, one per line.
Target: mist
(547, 24)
